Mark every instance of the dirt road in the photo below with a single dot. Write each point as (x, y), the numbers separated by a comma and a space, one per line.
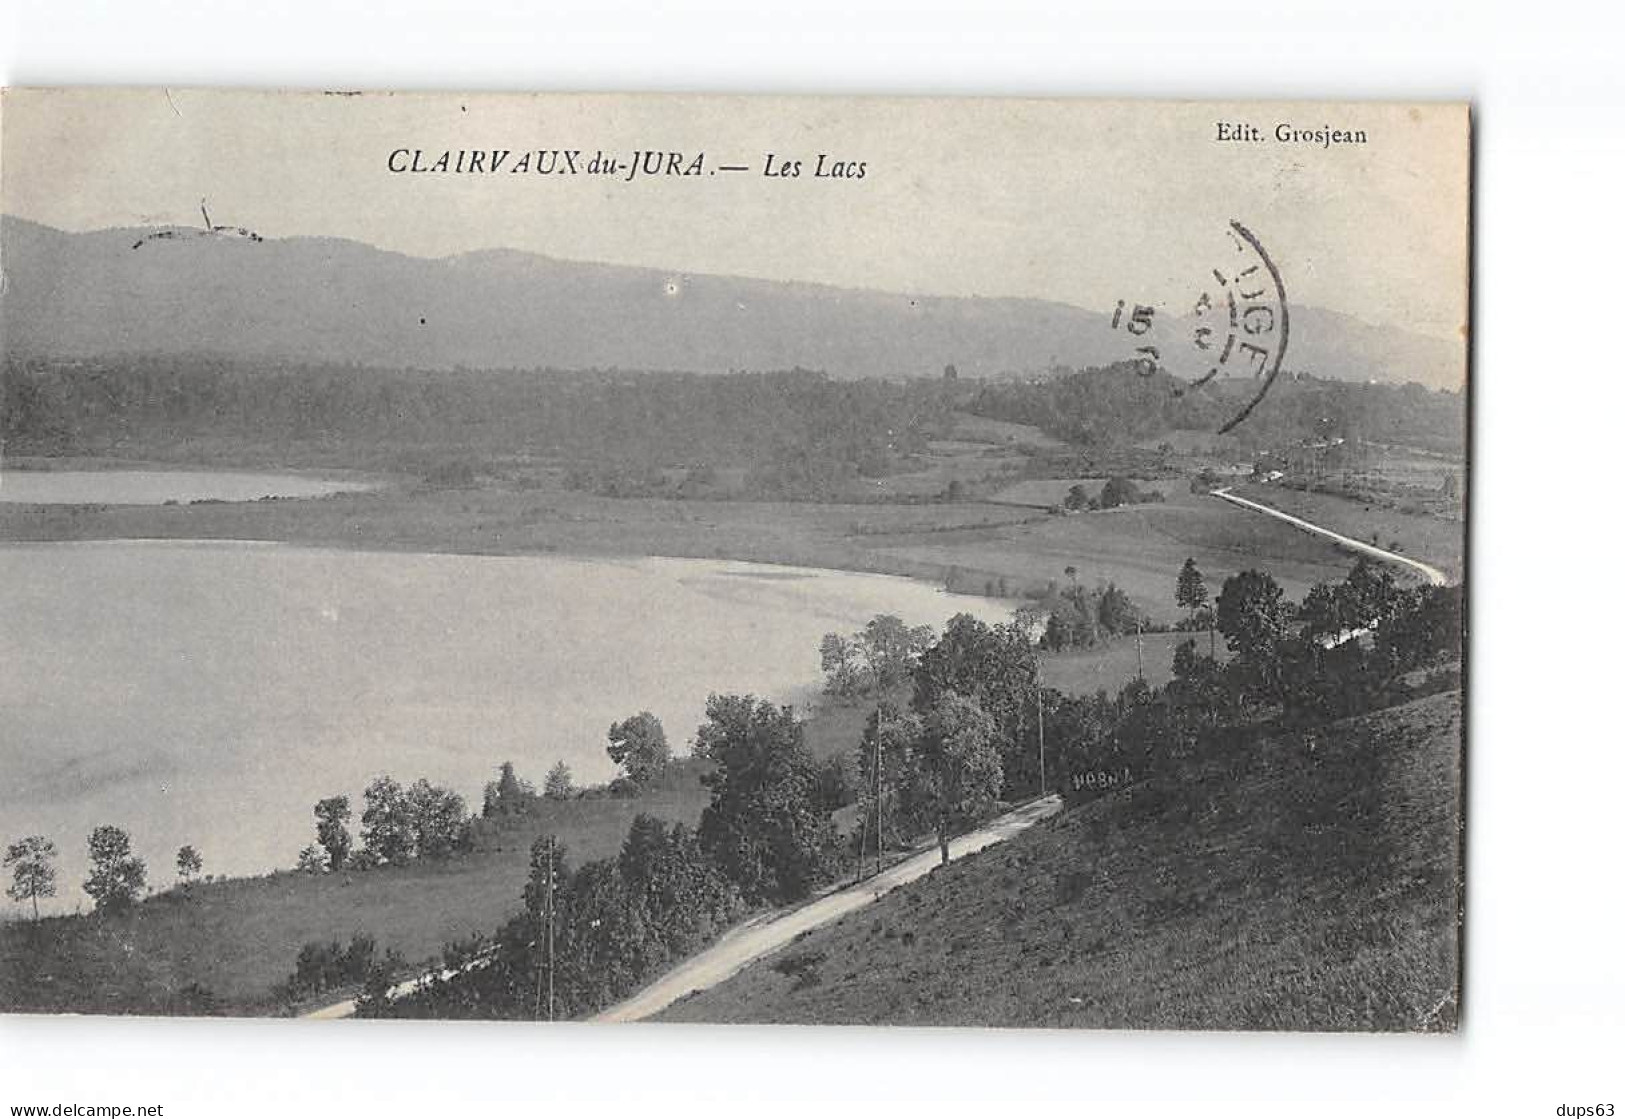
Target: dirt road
(346, 1009)
(770, 931)
(1432, 574)
(755, 939)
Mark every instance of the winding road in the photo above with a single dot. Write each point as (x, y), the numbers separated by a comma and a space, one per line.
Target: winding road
(768, 932)
(756, 938)
(1432, 574)
(346, 1009)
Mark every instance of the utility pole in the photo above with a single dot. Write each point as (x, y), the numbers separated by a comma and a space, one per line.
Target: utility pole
(863, 846)
(550, 872)
(1139, 650)
(541, 942)
(544, 941)
(1043, 786)
(880, 835)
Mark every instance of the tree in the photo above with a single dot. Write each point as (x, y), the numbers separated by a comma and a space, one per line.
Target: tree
(1253, 620)
(896, 733)
(764, 826)
(1426, 627)
(386, 822)
(32, 876)
(1368, 595)
(508, 795)
(439, 819)
(891, 649)
(538, 931)
(1190, 591)
(996, 666)
(1078, 497)
(1116, 611)
(116, 876)
(373, 1000)
(1187, 665)
(188, 863)
(1322, 614)
(1119, 491)
(1073, 622)
(332, 814)
(312, 860)
(1028, 618)
(560, 784)
(638, 745)
(838, 657)
(683, 895)
(954, 773)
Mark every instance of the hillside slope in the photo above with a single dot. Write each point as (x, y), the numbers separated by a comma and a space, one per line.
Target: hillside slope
(1276, 886)
(82, 295)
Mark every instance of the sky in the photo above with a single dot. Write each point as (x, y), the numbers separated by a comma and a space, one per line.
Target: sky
(1081, 202)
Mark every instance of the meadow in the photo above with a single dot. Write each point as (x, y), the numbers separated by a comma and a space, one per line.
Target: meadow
(1436, 540)
(1302, 881)
(970, 547)
(238, 937)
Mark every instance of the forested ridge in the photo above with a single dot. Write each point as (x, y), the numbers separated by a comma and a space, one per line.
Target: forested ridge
(801, 428)
(1092, 407)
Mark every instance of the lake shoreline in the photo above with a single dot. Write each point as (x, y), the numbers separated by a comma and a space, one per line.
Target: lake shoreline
(397, 518)
(212, 673)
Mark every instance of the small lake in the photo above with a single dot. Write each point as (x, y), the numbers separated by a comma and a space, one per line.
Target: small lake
(210, 692)
(155, 487)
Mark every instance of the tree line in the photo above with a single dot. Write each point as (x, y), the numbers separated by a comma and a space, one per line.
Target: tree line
(117, 878)
(795, 433)
(1349, 648)
(1119, 403)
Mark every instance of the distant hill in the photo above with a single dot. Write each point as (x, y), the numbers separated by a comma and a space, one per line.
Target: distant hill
(94, 294)
(1272, 885)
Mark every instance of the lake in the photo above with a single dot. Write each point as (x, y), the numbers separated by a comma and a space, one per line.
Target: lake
(210, 692)
(155, 487)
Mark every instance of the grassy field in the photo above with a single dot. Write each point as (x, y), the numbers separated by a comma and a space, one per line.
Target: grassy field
(1282, 884)
(982, 429)
(1113, 664)
(836, 726)
(966, 546)
(238, 937)
(1432, 539)
(1053, 491)
(1140, 549)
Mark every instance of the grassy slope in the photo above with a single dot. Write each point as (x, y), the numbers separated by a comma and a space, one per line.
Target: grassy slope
(1140, 548)
(240, 936)
(1274, 888)
(1432, 539)
(1112, 665)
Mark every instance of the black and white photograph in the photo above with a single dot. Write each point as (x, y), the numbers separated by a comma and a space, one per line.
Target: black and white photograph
(822, 561)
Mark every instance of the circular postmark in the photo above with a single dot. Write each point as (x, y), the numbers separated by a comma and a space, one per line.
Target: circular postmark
(1232, 323)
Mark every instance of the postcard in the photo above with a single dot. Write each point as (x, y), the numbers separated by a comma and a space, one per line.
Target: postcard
(686, 558)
